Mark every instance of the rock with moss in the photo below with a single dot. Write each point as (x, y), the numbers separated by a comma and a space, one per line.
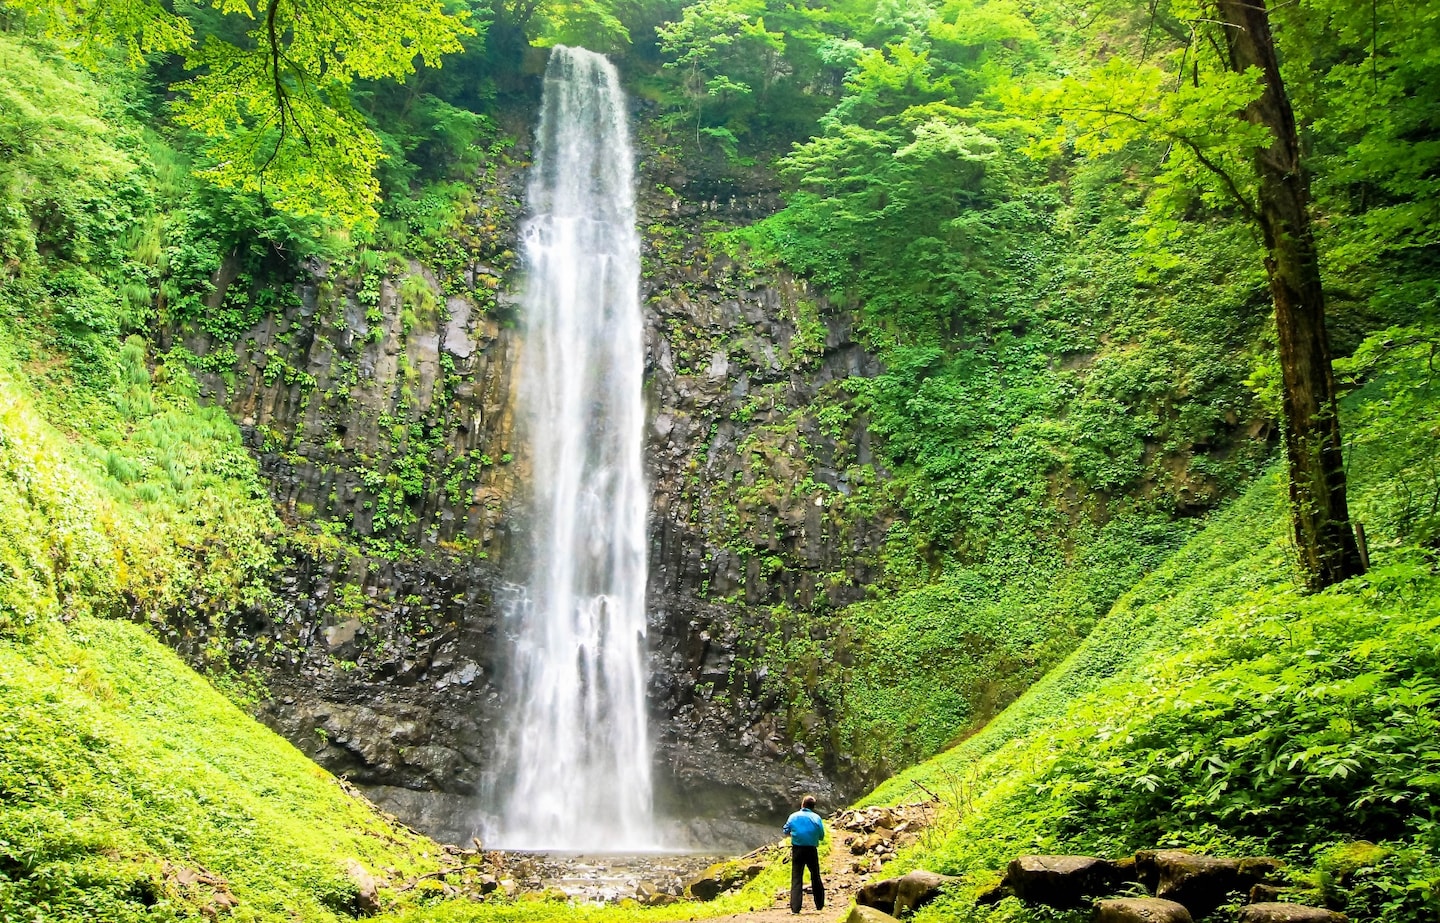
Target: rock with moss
(1200, 882)
(1141, 910)
(1058, 881)
(1279, 912)
(722, 877)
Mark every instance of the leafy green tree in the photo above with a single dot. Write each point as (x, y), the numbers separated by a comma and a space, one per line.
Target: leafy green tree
(1225, 63)
(271, 90)
(724, 52)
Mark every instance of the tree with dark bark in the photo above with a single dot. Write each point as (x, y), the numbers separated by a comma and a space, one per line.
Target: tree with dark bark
(1221, 110)
(1318, 509)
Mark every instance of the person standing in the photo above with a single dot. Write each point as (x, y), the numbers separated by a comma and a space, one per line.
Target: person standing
(806, 830)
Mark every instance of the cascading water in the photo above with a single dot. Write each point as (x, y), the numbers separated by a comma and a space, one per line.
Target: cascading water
(575, 768)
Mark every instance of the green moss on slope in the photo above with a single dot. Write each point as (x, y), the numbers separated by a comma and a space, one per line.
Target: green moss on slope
(1219, 708)
(122, 768)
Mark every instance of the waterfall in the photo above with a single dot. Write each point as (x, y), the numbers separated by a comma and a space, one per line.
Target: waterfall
(575, 764)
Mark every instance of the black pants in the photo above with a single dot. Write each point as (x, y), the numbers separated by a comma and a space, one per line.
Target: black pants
(801, 858)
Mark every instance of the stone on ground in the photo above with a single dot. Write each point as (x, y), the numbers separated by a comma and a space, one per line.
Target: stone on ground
(367, 891)
(1141, 910)
(879, 894)
(722, 877)
(902, 895)
(1199, 882)
(918, 888)
(1275, 912)
(1058, 881)
(862, 914)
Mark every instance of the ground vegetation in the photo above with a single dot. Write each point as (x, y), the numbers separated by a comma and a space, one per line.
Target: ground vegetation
(1088, 599)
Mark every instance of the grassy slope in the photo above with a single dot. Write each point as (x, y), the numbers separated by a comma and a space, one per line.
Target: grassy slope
(121, 767)
(1219, 708)
(120, 495)
(120, 761)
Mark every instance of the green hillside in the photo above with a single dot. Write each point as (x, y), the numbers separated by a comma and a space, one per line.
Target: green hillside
(131, 790)
(1218, 707)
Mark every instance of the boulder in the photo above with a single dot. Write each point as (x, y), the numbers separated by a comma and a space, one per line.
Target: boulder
(1275, 912)
(704, 888)
(879, 895)
(1058, 881)
(367, 889)
(1263, 894)
(722, 877)
(902, 895)
(1199, 882)
(918, 888)
(1141, 910)
(863, 914)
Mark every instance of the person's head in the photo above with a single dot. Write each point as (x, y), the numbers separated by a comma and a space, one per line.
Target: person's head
(808, 802)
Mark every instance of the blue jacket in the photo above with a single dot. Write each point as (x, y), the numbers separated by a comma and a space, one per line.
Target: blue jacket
(805, 828)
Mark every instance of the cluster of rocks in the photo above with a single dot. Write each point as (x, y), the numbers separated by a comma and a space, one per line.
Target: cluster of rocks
(874, 835)
(726, 876)
(496, 875)
(1179, 886)
(894, 897)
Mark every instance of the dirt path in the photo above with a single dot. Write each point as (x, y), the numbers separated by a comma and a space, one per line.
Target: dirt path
(861, 840)
(840, 887)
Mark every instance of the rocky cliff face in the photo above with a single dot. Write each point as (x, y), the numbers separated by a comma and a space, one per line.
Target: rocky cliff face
(382, 411)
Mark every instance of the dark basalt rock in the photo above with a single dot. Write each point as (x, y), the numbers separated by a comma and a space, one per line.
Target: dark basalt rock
(1201, 883)
(1058, 881)
(1274, 912)
(1141, 910)
(861, 913)
(898, 896)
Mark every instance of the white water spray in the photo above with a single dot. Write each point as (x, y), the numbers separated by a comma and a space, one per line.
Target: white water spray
(575, 767)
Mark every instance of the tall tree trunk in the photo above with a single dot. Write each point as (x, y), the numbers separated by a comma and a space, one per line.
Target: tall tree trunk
(1318, 510)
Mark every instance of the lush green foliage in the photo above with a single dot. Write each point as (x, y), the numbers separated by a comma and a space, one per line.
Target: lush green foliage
(118, 484)
(1070, 304)
(271, 83)
(123, 771)
(1216, 707)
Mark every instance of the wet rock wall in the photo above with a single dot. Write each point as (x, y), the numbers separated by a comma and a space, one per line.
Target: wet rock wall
(382, 410)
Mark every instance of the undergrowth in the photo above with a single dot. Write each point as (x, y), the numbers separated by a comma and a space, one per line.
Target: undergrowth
(1217, 707)
(122, 770)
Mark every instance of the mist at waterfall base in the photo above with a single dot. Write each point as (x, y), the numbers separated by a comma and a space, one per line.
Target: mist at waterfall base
(573, 770)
